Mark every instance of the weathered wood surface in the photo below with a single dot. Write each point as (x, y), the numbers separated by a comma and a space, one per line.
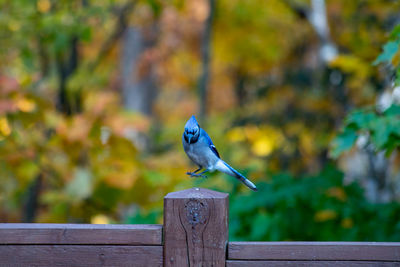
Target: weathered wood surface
(80, 255)
(351, 251)
(283, 263)
(35, 233)
(195, 228)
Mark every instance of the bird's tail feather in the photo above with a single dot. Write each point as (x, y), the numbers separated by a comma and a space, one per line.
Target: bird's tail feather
(225, 168)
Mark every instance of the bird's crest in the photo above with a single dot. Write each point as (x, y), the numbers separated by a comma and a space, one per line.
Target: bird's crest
(191, 123)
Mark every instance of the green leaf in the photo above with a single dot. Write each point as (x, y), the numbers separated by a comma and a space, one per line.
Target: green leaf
(389, 50)
(383, 128)
(393, 143)
(395, 122)
(343, 142)
(361, 118)
(393, 110)
(380, 133)
(395, 32)
(397, 79)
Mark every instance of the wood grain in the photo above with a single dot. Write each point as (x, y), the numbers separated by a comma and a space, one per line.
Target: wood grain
(35, 233)
(80, 255)
(234, 263)
(351, 251)
(195, 228)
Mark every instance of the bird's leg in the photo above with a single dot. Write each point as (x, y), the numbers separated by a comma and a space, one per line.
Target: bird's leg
(199, 174)
(193, 173)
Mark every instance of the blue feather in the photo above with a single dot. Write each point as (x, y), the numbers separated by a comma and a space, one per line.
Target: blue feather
(191, 123)
(210, 143)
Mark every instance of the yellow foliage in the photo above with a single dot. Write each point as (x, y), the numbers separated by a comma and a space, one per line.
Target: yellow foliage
(315, 103)
(307, 143)
(294, 128)
(5, 128)
(352, 64)
(14, 25)
(347, 223)
(263, 139)
(26, 171)
(337, 192)
(100, 219)
(262, 146)
(359, 71)
(75, 130)
(121, 180)
(98, 103)
(252, 132)
(43, 6)
(25, 105)
(325, 215)
(236, 134)
(52, 119)
(122, 125)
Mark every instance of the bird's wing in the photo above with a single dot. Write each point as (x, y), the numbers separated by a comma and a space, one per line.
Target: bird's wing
(210, 143)
(214, 149)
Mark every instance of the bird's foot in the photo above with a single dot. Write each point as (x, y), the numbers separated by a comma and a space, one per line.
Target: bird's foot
(192, 174)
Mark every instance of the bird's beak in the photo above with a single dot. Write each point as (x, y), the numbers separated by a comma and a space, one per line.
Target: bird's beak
(189, 138)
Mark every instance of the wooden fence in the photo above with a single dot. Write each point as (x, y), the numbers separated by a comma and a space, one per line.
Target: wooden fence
(195, 233)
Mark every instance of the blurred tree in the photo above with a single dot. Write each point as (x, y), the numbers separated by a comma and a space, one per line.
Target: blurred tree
(376, 130)
(70, 150)
(137, 59)
(60, 123)
(205, 58)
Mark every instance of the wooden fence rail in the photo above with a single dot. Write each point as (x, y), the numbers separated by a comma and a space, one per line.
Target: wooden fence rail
(195, 233)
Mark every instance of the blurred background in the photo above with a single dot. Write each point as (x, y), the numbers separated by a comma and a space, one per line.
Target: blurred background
(301, 96)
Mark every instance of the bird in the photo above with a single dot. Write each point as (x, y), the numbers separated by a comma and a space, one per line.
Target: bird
(201, 150)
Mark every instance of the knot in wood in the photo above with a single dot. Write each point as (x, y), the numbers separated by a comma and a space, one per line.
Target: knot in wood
(196, 212)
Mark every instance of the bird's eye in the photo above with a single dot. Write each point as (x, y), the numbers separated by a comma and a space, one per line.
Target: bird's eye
(192, 131)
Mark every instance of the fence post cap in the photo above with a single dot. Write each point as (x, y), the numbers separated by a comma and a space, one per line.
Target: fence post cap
(197, 193)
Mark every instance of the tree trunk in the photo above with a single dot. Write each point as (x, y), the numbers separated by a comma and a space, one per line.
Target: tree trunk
(67, 63)
(138, 76)
(205, 57)
(32, 200)
(318, 20)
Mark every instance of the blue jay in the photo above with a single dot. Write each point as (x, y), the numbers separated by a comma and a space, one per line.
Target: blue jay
(201, 150)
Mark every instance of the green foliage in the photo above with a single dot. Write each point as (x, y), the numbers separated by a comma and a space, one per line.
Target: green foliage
(311, 208)
(390, 49)
(343, 142)
(383, 130)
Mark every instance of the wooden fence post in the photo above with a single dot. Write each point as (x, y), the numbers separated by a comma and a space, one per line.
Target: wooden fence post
(195, 228)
